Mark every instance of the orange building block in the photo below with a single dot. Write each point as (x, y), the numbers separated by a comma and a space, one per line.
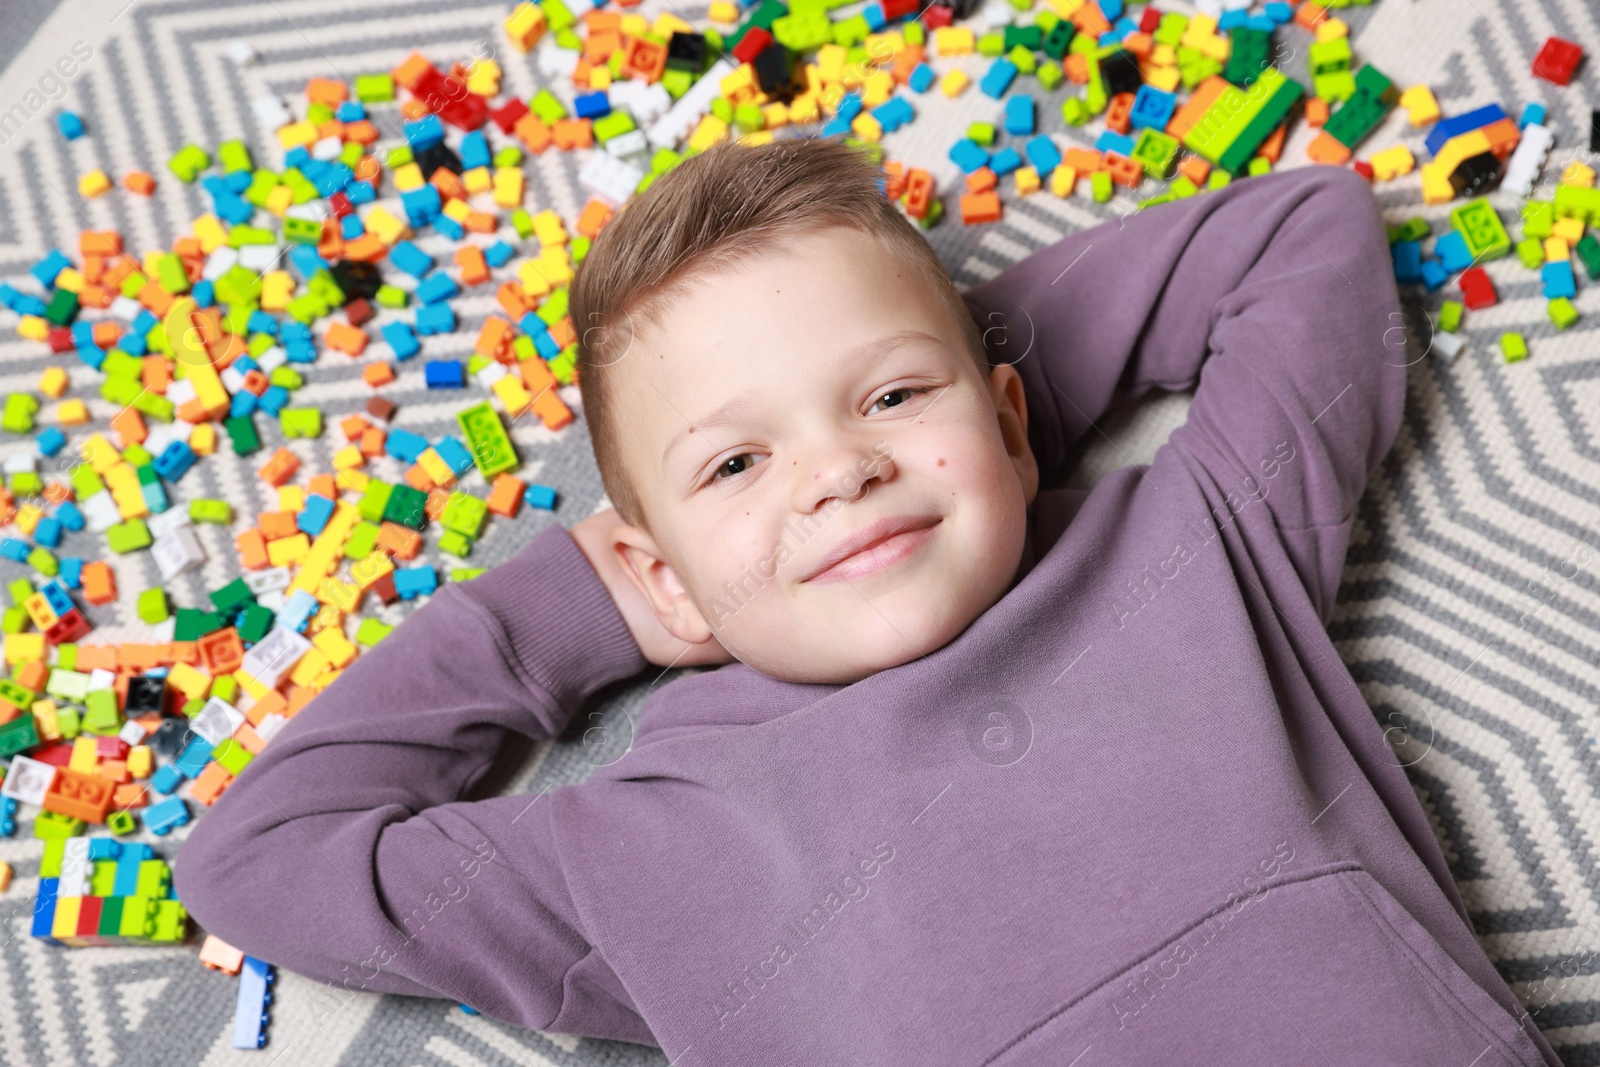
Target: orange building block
(1195, 169)
(593, 219)
(1124, 171)
(982, 180)
(1085, 161)
(218, 955)
(129, 426)
(211, 783)
(1326, 149)
(1200, 100)
(221, 651)
(280, 468)
(351, 340)
(99, 583)
(1316, 112)
(131, 797)
(399, 541)
(140, 182)
(82, 796)
(276, 524)
(324, 485)
(474, 268)
(1119, 112)
(505, 496)
(252, 549)
(979, 207)
(377, 374)
(270, 704)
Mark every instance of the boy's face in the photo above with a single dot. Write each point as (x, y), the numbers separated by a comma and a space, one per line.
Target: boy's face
(833, 487)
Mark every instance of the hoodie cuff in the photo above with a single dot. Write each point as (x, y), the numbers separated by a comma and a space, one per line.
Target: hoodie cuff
(559, 619)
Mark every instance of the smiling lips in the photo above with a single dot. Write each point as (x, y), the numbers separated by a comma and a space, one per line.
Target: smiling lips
(879, 546)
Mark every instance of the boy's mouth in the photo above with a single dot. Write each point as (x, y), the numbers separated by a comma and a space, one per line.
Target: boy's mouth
(876, 547)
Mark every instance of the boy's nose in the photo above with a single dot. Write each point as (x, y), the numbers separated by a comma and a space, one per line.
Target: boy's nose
(845, 469)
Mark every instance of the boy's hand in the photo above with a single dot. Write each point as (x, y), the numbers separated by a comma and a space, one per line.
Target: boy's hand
(593, 536)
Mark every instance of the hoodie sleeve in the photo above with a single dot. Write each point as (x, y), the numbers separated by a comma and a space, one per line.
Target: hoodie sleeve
(1273, 297)
(343, 853)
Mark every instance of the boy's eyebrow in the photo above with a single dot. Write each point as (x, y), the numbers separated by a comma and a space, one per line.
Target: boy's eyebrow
(869, 350)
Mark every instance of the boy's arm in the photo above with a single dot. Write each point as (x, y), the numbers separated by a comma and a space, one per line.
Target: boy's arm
(1276, 293)
(342, 853)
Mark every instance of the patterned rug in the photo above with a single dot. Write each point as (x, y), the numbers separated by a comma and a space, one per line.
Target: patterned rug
(1469, 615)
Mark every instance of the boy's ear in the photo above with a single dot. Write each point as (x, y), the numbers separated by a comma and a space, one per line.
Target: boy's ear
(1011, 408)
(641, 561)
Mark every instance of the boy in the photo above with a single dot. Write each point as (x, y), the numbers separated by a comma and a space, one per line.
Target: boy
(1001, 775)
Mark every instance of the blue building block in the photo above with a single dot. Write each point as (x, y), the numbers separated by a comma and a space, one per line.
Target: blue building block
(1278, 11)
(165, 815)
(315, 514)
(404, 445)
(894, 114)
(1559, 280)
(591, 105)
(350, 227)
(50, 441)
(445, 374)
(1152, 108)
(166, 779)
(921, 79)
(70, 125)
(421, 205)
(1005, 161)
(1019, 114)
(1043, 155)
(1407, 257)
(1533, 114)
(498, 254)
(435, 318)
(1434, 274)
(250, 1015)
(1112, 141)
(424, 132)
(540, 496)
(436, 287)
(193, 759)
(44, 909)
(296, 611)
(474, 151)
(969, 155)
(411, 259)
(8, 816)
(402, 340)
(997, 79)
(273, 400)
(47, 532)
(46, 269)
(13, 548)
(71, 571)
(68, 515)
(175, 460)
(1445, 129)
(455, 454)
(1451, 248)
(411, 582)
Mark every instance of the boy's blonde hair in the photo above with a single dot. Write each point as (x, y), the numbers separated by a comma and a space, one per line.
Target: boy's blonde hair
(731, 201)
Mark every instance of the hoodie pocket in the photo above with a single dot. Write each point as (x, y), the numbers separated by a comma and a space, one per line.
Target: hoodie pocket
(1323, 968)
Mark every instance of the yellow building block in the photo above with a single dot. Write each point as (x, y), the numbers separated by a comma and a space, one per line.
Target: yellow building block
(953, 41)
(1165, 78)
(1063, 180)
(85, 755)
(484, 80)
(93, 184)
(436, 468)
(1421, 108)
(954, 83)
(33, 328)
(203, 439)
(99, 453)
(866, 127)
(280, 200)
(189, 680)
(386, 225)
(70, 279)
(288, 550)
(347, 457)
(508, 187)
(71, 413)
(513, 394)
(1555, 250)
(27, 519)
(339, 649)
(298, 134)
(328, 549)
(1331, 29)
(53, 382)
(1436, 187)
(312, 664)
(23, 648)
(549, 229)
(1579, 174)
(211, 233)
(525, 25)
(366, 571)
(1027, 181)
(45, 721)
(477, 180)
(1569, 229)
(1392, 162)
(277, 290)
(141, 761)
(352, 480)
(408, 177)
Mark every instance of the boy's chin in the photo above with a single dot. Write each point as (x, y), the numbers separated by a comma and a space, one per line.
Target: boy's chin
(873, 646)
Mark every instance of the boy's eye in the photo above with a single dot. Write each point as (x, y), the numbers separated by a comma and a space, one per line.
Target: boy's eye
(734, 465)
(894, 397)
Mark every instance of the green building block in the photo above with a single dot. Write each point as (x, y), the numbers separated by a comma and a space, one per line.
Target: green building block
(1562, 313)
(225, 687)
(983, 133)
(50, 862)
(302, 231)
(242, 433)
(172, 922)
(153, 607)
(1530, 250)
(1538, 218)
(1450, 315)
(455, 544)
(487, 439)
(154, 881)
(15, 620)
(1479, 224)
(301, 422)
(232, 598)
(121, 822)
(215, 512)
(255, 624)
(101, 714)
(1156, 152)
(406, 507)
(362, 540)
(390, 296)
(192, 624)
(232, 755)
(18, 735)
(374, 88)
(1576, 202)
(44, 561)
(1100, 186)
(1513, 347)
(371, 631)
(54, 826)
(16, 693)
(374, 500)
(464, 514)
(234, 156)
(128, 536)
(103, 878)
(1588, 250)
(20, 409)
(1238, 121)
(1248, 56)
(189, 162)
(465, 574)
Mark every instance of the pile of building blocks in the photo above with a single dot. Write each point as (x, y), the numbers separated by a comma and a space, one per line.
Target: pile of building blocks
(101, 891)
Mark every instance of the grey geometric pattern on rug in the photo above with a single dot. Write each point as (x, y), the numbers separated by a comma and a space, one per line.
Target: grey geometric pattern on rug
(1486, 509)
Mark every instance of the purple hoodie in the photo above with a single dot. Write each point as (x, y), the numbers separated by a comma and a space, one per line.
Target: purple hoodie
(1137, 813)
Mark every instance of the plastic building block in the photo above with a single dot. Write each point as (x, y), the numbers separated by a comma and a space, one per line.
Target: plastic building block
(1557, 60)
(251, 1017)
(1513, 347)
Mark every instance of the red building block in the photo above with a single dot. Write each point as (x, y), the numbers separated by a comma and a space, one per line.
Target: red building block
(1557, 60)
(1477, 291)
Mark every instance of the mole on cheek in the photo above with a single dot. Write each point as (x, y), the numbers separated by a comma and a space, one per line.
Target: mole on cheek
(941, 462)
